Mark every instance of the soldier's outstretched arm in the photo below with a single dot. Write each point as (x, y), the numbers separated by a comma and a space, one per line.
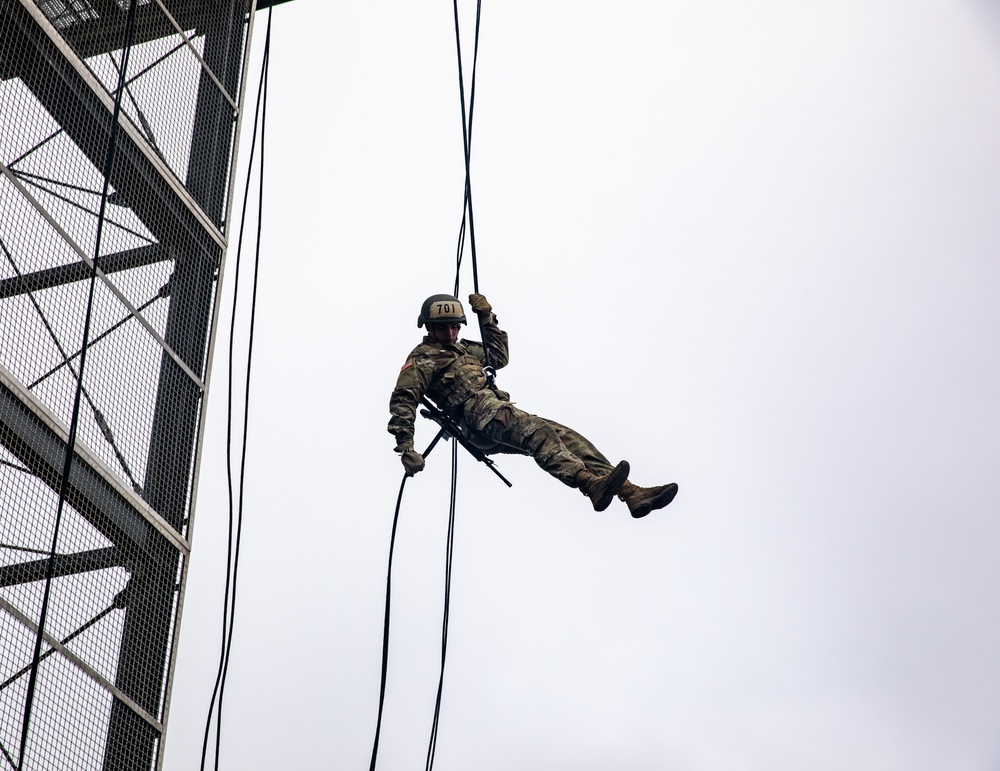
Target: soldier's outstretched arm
(411, 385)
(494, 338)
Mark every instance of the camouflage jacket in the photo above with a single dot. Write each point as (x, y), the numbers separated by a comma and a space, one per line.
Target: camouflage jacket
(452, 376)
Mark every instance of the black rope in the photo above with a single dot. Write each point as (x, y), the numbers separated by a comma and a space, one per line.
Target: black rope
(235, 538)
(246, 406)
(449, 552)
(467, 142)
(385, 622)
(74, 422)
(467, 215)
(388, 597)
(467, 226)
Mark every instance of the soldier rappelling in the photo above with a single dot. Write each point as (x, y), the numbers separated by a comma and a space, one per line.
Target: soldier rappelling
(457, 376)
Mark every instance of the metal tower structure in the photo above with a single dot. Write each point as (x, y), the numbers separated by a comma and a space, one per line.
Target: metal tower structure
(117, 581)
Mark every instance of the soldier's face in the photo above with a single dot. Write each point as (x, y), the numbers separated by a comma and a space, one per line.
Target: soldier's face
(444, 333)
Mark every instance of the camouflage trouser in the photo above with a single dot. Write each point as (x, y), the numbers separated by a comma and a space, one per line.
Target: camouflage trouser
(559, 450)
(581, 447)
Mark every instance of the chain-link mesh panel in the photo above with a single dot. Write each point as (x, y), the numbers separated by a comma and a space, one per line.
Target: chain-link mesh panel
(111, 607)
(117, 524)
(64, 733)
(182, 47)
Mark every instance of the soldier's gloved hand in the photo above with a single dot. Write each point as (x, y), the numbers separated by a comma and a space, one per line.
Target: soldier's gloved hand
(480, 304)
(412, 460)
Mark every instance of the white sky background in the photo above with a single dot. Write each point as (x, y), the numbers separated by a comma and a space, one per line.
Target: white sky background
(752, 248)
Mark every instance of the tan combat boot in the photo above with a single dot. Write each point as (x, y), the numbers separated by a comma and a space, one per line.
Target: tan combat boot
(642, 500)
(601, 490)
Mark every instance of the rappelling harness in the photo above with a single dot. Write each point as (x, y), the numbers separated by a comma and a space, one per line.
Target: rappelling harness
(452, 430)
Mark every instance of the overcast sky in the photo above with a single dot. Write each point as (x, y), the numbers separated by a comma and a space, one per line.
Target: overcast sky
(750, 247)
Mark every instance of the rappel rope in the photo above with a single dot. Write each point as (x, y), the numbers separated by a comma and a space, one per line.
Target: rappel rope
(233, 549)
(467, 217)
(467, 143)
(75, 419)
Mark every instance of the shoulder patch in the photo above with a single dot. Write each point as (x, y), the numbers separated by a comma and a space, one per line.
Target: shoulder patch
(409, 363)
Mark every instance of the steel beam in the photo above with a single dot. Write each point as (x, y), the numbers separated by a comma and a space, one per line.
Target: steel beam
(42, 449)
(149, 720)
(152, 191)
(146, 638)
(80, 271)
(65, 565)
(90, 37)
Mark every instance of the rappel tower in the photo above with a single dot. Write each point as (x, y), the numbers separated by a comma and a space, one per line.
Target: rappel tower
(118, 129)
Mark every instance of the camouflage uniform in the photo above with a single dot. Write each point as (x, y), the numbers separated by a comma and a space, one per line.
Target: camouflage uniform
(452, 376)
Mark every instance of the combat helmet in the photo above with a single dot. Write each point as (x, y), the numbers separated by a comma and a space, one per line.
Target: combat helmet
(441, 309)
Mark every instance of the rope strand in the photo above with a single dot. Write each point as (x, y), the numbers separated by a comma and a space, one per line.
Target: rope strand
(449, 553)
(388, 598)
(235, 534)
(467, 146)
(467, 226)
(75, 419)
(246, 397)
